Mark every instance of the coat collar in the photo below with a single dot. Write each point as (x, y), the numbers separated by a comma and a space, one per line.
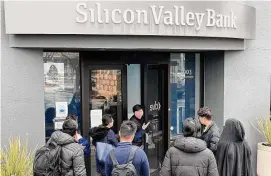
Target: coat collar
(207, 128)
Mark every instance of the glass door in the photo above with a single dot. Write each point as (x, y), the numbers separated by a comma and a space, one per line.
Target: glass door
(156, 107)
(103, 92)
(105, 96)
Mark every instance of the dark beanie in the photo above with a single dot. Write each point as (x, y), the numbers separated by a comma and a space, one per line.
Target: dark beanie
(69, 127)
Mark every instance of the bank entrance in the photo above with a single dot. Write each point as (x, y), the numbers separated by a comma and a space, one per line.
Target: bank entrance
(113, 82)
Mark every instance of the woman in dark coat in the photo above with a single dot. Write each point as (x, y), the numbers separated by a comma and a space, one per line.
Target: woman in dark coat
(103, 133)
(233, 153)
(189, 156)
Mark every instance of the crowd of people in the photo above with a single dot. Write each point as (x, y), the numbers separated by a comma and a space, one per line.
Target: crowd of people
(201, 149)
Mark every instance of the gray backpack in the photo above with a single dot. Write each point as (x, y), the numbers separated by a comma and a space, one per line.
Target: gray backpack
(127, 169)
(47, 160)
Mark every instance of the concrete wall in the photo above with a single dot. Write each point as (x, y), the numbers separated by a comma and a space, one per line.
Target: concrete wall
(247, 77)
(214, 85)
(22, 89)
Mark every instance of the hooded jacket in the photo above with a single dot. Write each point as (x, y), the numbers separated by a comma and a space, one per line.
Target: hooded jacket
(72, 156)
(189, 157)
(233, 153)
(102, 134)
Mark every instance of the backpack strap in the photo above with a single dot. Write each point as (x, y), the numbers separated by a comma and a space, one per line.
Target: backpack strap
(113, 158)
(132, 154)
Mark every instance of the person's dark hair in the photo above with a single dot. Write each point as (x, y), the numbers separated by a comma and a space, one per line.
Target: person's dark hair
(127, 129)
(137, 107)
(106, 119)
(72, 116)
(191, 127)
(69, 127)
(205, 112)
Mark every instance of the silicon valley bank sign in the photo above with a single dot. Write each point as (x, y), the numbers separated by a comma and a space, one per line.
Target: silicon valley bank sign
(220, 19)
(177, 16)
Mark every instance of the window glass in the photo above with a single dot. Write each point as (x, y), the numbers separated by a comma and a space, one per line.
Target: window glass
(184, 84)
(62, 94)
(133, 87)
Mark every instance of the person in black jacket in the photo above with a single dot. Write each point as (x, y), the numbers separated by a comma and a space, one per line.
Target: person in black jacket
(211, 132)
(139, 120)
(233, 153)
(103, 133)
(189, 155)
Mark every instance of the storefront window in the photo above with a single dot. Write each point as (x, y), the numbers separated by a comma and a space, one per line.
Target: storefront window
(184, 84)
(61, 89)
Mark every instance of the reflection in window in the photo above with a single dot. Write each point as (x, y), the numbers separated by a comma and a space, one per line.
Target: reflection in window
(61, 84)
(183, 77)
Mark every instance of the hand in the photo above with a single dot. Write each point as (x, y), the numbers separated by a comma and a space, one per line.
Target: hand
(144, 126)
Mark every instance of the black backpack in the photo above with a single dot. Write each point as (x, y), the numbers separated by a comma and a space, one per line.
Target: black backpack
(127, 169)
(47, 160)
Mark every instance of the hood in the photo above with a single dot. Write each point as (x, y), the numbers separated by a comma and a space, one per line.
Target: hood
(98, 133)
(233, 131)
(62, 138)
(190, 144)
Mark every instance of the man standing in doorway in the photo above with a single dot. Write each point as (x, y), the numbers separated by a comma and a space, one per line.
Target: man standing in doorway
(211, 132)
(138, 119)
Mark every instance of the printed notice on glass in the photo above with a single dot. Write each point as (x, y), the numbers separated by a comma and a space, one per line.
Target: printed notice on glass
(58, 125)
(61, 109)
(96, 117)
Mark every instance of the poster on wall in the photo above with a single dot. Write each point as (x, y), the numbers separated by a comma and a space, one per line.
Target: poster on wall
(61, 109)
(54, 75)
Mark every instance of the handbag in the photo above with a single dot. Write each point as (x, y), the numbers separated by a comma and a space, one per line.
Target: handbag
(102, 150)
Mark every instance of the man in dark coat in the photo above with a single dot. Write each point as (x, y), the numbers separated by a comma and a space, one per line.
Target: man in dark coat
(105, 134)
(233, 153)
(138, 119)
(189, 156)
(211, 132)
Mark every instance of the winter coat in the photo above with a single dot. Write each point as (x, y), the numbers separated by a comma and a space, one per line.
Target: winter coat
(233, 153)
(189, 157)
(102, 134)
(72, 155)
(139, 135)
(211, 136)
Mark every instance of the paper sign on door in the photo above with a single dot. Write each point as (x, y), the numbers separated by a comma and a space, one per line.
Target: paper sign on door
(96, 117)
(61, 109)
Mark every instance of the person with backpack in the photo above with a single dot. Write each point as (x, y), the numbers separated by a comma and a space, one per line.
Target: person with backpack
(189, 155)
(127, 159)
(103, 138)
(81, 140)
(61, 155)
